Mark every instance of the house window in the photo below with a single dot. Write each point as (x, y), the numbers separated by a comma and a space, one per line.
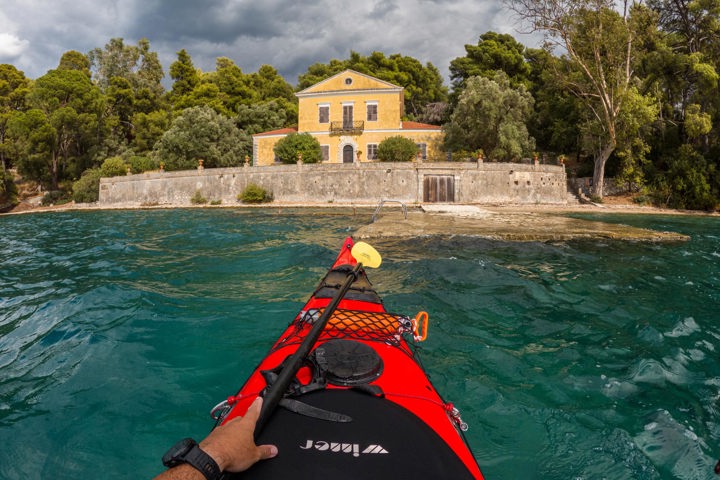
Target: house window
(325, 150)
(372, 112)
(348, 116)
(423, 150)
(372, 151)
(324, 113)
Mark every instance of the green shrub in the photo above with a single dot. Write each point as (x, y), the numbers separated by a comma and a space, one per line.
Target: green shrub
(465, 156)
(87, 189)
(397, 149)
(113, 167)
(55, 197)
(140, 164)
(255, 194)
(643, 199)
(215, 202)
(288, 148)
(688, 182)
(198, 199)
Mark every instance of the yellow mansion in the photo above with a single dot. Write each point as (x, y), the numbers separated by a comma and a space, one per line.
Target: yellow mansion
(350, 114)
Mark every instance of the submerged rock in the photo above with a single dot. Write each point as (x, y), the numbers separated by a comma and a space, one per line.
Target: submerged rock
(450, 220)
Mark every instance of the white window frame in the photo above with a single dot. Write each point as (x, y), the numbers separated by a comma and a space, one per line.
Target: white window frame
(370, 148)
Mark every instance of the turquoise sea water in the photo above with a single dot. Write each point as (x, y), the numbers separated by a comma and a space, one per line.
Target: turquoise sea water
(582, 360)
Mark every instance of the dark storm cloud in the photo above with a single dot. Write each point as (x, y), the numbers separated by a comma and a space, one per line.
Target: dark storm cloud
(288, 35)
(217, 21)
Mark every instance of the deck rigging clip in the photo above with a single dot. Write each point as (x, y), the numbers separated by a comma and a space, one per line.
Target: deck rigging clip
(454, 415)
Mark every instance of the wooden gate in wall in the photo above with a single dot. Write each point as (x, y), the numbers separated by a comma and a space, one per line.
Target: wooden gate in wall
(439, 189)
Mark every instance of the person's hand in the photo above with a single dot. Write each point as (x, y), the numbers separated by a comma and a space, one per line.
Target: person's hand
(232, 445)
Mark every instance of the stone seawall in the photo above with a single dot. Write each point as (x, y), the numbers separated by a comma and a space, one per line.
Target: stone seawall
(358, 183)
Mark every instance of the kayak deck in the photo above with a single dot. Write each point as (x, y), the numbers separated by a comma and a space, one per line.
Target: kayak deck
(362, 368)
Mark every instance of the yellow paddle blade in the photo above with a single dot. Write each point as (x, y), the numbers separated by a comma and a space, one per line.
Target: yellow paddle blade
(367, 255)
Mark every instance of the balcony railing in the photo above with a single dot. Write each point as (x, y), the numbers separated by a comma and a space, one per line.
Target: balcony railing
(347, 128)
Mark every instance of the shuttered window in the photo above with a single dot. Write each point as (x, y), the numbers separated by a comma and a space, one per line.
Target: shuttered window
(372, 112)
(324, 114)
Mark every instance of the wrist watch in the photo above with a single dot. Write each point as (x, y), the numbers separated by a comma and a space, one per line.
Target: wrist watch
(188, 451)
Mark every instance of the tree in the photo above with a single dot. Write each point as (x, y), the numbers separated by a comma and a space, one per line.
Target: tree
(136, 64)
(234, 87)
(494, 52)
(270, 86)
(557, 116)
(149, 128)
(602, 49)
(397, 149)
(120, 99)
(204, 94)
(261, 117)
(687, 181)
(491, 115)
(74, 60)
(14, 87)
(149, 74)
(228, 89)
(184, 74)
(200, 133)
(8, 190)
(70, 106)
(130, 77)
(697, 22)
(684, 67)
(288, 148)
(33, 139)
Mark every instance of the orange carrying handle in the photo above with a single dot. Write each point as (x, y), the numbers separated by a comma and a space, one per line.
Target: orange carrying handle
(420, 324)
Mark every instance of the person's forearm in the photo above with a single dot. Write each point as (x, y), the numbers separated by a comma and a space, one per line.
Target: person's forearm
(181, 472)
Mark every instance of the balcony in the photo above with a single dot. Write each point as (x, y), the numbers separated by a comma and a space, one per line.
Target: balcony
(347, 128)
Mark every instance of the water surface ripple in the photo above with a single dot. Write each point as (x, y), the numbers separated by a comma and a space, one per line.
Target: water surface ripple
(582, 360)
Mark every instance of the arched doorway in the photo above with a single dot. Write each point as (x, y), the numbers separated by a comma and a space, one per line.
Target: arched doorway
(348, 154)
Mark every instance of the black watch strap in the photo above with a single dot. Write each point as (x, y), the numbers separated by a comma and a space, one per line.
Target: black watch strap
(203, 462)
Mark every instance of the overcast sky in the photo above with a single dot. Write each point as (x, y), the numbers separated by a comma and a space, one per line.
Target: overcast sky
(289, 35)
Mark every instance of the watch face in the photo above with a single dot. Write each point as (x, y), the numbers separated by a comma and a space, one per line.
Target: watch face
(176, 453)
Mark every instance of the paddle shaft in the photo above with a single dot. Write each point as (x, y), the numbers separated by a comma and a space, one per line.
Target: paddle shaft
(276, 391)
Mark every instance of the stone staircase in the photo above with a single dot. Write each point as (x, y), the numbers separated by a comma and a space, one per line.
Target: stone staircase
(577, 196)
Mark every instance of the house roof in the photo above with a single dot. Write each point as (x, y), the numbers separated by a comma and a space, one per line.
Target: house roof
(419, 126)
(337, 83)
(282, 131)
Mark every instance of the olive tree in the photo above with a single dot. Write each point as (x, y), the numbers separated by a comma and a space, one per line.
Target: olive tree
(492, 116)
(200, 133)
